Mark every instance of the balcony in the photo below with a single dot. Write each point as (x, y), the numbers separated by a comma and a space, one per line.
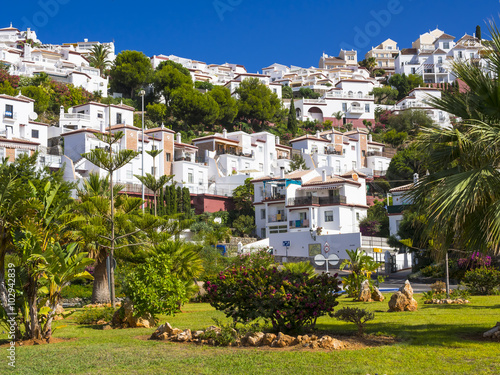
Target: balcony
(303, 201)
(336, 199)
(333, 152)
(278, 218)
(299, 224)
(397, 209)
(9, 115)
(273, 197)
(75, 116)
(389, 155)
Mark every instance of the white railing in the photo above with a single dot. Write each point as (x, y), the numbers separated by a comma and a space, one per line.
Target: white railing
(76, 116)
(347, 96)
(356, 109)
(10, 115)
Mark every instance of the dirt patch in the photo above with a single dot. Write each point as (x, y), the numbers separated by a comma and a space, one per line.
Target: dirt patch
(52, 340)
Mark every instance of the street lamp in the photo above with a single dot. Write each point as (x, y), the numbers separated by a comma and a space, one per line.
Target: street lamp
(142, 93)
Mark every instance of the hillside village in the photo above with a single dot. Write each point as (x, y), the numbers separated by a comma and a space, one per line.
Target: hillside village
(341, 145)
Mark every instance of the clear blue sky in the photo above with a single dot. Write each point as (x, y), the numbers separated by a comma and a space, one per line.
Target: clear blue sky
(255, 33)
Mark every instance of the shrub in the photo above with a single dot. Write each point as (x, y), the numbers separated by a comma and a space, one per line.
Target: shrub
(356, 316)
(153, 288)
(361, 267)
(76, 290)
(256, 259)
(91, 315)
(482, 281)
(290, 300)
(438, 287)
(475, 260)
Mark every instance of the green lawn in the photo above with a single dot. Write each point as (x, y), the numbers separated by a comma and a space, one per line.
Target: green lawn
(437, 339)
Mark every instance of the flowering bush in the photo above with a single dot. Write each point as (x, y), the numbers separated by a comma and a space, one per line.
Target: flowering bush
(476, 260)
(290, 300)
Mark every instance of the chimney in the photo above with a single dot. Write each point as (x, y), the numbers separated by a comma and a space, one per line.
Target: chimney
(179, 138)
(317, 134)
(323, 175)
(27, 51)
(370, 138)
(224, 133)
(415, 178)
(85, 40)
(61, 111)
(277, 140)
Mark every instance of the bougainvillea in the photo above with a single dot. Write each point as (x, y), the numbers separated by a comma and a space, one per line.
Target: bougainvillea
(289, 300)
(475, 260)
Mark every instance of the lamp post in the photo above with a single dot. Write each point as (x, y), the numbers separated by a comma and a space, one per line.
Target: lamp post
(142, 93)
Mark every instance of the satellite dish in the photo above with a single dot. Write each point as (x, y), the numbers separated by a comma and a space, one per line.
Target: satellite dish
(33, 116)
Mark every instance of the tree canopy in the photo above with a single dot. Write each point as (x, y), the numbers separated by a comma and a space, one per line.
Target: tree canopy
(256, 101)
(131, 70)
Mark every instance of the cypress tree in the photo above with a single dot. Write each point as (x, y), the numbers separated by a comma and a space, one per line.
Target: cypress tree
(292, 119)
(186, 198)
(478, 32)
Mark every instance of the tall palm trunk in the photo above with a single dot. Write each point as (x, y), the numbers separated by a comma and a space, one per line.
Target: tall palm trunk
(100, 288)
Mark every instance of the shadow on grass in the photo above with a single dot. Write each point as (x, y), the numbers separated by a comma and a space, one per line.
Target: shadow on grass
(430, 334)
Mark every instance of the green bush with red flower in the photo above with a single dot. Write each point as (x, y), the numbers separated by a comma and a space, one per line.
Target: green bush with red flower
(289, 300)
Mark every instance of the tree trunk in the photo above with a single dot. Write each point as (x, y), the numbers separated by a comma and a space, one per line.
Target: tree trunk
(35, 331)
(100, 288)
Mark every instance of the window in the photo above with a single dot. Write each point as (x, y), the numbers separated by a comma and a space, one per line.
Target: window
(153, 171)
(262, 213)
(460, 54)
(389, 47)
(303, 215)
(100, 115)
(200, 177)
(328, 216)
(118, 118)
(413, 70)
(446, 45)
(167, 156)
(261, 167)
(2, 153)
(9, 111)
(367, 108)
(260, 149)
(130, 172)
(354, 165)
(190, 176)
(20, 153)
(472, 55)
(263, 232)
(344, 107)
(357, 215)
(363, 152)
(34, 133)
(353, 148)
(440, 60)
(154, 148)
(337, 166)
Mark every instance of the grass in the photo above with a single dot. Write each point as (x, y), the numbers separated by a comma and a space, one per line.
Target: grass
(436, 339)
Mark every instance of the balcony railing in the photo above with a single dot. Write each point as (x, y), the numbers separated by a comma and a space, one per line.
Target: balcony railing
(299, 223)
(10, 115)
(270, 197)
(336, 199)
(303, 201)
(379, 172)
(276, 218)
(397, 209)
(75, 116)
(333, 152)
(380, 153)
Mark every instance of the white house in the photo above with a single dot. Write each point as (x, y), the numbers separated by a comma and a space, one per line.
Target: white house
(418, 99)
(305, 209)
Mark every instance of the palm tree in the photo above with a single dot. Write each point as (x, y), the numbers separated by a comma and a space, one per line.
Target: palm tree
(98, 57)
(461, 195)
(339, 115)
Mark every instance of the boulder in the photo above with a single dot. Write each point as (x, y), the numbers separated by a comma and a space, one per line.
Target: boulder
(377, 295)
(492, 332)
(124, 317)
(197, 334)
(268, 339)
(365, 293)
(283, 340)
(184, 336)
(106, 327)
(403, 299)
(327, 342)
(255, 339)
